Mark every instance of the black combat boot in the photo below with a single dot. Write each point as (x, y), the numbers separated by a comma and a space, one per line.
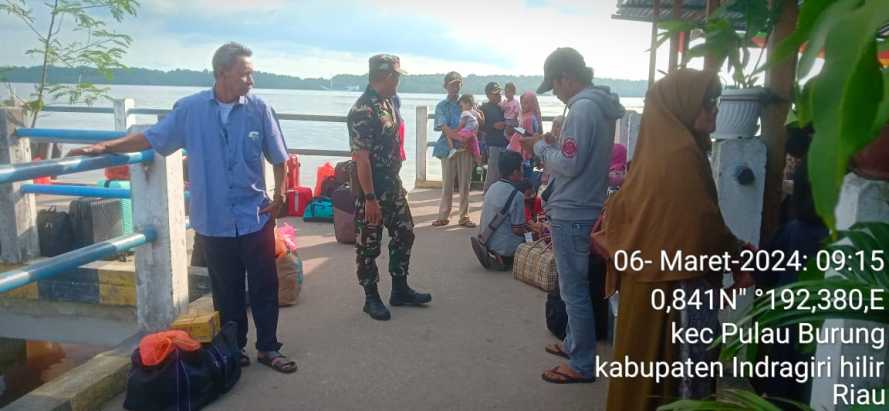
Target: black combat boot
(402, 294)
(373, 304)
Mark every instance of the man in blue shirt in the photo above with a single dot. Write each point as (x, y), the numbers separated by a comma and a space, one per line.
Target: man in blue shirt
(227, 132)
(456, 168)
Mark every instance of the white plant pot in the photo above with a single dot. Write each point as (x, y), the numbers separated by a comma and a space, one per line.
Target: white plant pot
(739, 112)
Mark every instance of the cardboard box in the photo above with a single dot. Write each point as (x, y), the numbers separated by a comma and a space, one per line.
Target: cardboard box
(201, 326)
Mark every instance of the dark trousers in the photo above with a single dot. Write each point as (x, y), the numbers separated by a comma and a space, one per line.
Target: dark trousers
(227, 260)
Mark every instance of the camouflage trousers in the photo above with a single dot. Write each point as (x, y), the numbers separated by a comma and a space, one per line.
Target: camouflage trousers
(398, 221)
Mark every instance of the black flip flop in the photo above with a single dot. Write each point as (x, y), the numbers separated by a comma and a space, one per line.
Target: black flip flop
(244, 360)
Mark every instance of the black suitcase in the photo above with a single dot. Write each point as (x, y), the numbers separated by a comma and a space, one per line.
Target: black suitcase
(54, 232)
(95, 220)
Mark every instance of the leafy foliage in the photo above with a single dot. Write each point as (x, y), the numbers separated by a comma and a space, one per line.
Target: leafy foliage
(87, 42)
(730, 400)
(723, 41)
(848, 101)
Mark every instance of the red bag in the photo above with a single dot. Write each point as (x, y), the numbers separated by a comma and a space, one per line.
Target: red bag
(324, 172)
(117, 173)
(297, 200)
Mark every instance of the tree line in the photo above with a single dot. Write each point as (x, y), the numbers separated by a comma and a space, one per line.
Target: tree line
(418, 83)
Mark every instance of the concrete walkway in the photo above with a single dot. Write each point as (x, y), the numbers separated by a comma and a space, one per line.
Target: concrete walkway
(479, 345)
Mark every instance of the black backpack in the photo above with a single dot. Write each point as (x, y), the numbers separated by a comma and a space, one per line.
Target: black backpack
(186, 381)
(55, 232)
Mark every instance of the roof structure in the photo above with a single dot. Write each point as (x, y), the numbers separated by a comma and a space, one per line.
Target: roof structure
(643, 10)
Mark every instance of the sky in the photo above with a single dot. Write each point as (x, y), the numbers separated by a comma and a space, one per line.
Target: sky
(324, 38)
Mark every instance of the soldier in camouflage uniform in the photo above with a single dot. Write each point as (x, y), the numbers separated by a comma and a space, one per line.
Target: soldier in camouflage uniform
(373, 124)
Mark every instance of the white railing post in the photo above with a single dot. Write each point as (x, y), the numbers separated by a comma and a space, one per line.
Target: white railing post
(422, 139)
(123, 120)
(18, 211)
(161, 267)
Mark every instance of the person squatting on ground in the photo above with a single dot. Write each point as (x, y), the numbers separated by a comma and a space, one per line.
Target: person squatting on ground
(227, 132)
(578, 162)
(499, 237)
(373, 130)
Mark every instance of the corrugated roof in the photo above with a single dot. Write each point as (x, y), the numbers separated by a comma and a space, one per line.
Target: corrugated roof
(643, 10)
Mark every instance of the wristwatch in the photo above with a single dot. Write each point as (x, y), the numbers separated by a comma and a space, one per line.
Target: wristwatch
(370, 196)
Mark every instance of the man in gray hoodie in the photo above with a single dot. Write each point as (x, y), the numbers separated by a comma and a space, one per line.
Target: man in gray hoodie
(578, 163)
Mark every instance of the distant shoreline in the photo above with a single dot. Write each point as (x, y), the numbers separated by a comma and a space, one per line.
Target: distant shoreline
(421, 83)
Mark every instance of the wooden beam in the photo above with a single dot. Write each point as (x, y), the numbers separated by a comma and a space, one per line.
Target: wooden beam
(779, 80)
(674, 40)
(652, 56)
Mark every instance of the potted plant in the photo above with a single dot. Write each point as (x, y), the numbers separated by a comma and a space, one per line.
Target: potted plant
(728, 36)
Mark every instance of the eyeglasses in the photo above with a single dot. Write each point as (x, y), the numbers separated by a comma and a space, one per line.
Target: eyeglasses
(711, 102)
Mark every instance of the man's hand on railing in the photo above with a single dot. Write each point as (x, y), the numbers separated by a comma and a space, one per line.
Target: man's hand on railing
(91, 150)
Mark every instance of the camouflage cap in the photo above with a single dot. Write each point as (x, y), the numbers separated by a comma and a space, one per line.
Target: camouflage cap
(386, 62)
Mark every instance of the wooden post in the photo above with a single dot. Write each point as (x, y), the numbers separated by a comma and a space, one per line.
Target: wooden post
(123, 120)
(779, 81)
(161, 267)
(710, 62)
(422, 141)
(675, 40)
(18, 211)
(652, 55)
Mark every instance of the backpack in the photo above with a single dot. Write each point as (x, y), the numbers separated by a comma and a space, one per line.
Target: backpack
(185, 380)
(55, 232)
(320, 209)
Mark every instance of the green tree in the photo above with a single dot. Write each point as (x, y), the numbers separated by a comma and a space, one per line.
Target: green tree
(86, 41)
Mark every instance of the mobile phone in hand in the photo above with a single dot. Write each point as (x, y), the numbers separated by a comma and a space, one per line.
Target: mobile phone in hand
(520, 130)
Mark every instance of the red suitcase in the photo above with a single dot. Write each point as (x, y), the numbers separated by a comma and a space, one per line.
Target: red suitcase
(297, 200)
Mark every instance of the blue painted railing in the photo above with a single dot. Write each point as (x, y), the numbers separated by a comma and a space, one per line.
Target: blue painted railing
(76, 191)
(19, 172)
(67, 135)
(63, 263)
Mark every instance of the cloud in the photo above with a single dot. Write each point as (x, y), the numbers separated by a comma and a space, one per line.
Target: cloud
(312, 39)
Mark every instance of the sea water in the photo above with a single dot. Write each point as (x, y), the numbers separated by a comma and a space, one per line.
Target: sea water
(298, 134)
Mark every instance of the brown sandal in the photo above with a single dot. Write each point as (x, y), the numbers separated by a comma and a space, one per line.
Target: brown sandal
(440, 223)
(556, 349)
(277, 361)
(467, 223)
(555, 376)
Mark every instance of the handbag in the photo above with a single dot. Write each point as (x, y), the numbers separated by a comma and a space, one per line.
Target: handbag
(535, 264)
(440, 149)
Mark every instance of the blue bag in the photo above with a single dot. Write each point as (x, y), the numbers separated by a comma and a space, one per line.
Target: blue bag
(320, 209)
(440, 150)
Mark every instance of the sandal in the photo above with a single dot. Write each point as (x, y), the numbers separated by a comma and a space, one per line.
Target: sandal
(244, 360)
(556, 349)
(467, 223)
(440, 223)
(555, 376)
(277, 361)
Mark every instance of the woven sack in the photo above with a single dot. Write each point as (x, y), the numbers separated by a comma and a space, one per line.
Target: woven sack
(535, 264)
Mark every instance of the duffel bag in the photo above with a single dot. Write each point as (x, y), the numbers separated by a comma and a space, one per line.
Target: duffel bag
(185, 380)
(320, 209)
(535, 264)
